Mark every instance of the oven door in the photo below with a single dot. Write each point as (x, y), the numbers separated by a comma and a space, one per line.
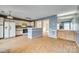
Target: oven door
(25, 30)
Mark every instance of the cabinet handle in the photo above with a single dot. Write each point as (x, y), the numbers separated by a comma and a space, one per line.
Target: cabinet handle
(10, 27)
(6, 27)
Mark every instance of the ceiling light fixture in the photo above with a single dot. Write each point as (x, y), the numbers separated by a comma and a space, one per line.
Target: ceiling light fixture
(9, 16)
(28, 18)
(66, 17)
(68, 13)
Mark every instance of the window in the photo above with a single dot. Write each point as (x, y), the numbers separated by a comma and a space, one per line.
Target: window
(67, 25)
(58, 25)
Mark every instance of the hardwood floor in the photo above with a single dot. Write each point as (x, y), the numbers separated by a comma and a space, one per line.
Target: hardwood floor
(22, 44)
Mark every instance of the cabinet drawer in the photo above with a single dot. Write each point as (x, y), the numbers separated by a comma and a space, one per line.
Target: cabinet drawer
(19, 32)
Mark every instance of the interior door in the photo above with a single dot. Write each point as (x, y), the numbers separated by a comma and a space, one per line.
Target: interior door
(12, 29)
(6, 29)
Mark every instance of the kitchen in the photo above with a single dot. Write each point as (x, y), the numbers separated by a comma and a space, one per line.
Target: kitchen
(12, 28)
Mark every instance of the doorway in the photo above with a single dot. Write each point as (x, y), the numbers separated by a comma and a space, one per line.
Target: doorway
(45, 27)
(44, 24)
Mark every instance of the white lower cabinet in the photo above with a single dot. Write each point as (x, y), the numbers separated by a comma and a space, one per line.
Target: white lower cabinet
(19, 32)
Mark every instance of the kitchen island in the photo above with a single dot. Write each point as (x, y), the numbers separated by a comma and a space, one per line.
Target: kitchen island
(34, 32)
(66, 34)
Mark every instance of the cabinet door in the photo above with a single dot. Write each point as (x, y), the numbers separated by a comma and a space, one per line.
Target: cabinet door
(6, 30)
(72, 36)
(12, 29)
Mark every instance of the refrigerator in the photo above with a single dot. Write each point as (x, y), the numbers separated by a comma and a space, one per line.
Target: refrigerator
(9, 29)
(1, 28)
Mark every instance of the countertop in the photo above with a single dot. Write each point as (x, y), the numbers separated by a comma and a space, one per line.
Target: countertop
(34, 28)
(20, 28)
(66, 30)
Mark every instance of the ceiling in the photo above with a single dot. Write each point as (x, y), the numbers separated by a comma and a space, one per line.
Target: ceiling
(36, 11)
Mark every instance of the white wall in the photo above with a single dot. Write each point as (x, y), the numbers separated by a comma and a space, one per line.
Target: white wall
(46, 25)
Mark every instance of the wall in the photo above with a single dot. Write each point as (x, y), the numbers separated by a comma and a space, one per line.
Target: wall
(53, 26)
(77, 30)
(77, 26)
(73, 25)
